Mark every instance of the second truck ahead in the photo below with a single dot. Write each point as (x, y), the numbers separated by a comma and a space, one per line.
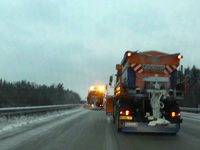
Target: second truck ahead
(95, 96)
(147, 92)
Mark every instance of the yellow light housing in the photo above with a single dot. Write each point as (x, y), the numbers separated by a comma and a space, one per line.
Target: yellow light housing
(92, 88)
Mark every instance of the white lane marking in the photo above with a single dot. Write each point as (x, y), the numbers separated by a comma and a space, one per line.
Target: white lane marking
(108, 119)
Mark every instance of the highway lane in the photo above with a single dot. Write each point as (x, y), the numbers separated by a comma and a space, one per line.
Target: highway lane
(93, 129)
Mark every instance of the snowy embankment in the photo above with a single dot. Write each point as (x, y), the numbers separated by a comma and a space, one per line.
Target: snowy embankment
(18, 121)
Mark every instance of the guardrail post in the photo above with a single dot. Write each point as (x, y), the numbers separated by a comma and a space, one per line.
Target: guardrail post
(7, 117)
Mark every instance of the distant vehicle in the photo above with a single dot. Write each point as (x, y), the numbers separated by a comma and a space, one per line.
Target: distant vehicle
(147, 91)
(96, 96)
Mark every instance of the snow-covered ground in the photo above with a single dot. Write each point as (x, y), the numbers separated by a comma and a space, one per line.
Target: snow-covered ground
(24, 120)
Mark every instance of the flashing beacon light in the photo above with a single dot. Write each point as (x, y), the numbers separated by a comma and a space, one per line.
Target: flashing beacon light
(101, 88)
(92, 88)
(129, 54)
(179, 56)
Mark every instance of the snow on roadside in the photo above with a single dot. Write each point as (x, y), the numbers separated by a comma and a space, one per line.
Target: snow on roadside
(24, 120)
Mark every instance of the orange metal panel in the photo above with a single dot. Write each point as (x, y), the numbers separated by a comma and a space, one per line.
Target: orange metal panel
(143, 58)
(152, 58)
(109, 104)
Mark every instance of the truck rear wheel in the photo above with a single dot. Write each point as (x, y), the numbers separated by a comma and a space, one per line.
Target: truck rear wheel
(113, 120)
(117, 124)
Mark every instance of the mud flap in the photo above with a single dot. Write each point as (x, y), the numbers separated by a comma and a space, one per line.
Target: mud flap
(144, 127)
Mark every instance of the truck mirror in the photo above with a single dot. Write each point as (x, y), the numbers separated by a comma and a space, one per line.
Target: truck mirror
(118, 67)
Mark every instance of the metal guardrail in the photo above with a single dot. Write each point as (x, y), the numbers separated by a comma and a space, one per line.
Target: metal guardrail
(189, 109)
(28, 110)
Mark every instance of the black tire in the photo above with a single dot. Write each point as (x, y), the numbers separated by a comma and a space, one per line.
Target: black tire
(117, 124)
(119, 130)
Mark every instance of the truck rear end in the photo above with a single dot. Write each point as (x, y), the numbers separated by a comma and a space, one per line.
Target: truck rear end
(147, 92)
(95, 96)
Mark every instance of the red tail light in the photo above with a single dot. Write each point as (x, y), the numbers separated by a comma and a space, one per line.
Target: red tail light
(121, 112)
(127, 112)
(173, 114)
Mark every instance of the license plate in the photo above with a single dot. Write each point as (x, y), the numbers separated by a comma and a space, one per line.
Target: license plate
(131, 124)
(126, 117)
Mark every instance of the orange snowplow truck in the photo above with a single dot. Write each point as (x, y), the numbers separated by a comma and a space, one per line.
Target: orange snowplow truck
(95, 96)
(147, 91)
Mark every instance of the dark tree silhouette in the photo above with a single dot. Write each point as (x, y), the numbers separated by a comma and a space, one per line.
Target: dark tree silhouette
(23, 93)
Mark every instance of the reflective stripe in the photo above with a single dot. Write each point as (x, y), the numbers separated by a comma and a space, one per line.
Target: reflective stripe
(137, 68)
(169, 69)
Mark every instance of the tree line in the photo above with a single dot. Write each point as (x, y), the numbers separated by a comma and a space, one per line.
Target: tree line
(23, 93)
(192, 76)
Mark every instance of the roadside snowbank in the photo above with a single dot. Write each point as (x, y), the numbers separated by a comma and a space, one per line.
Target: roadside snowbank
(24, 120)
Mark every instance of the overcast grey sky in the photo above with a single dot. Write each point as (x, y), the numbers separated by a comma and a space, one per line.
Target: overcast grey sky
(78, 42)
